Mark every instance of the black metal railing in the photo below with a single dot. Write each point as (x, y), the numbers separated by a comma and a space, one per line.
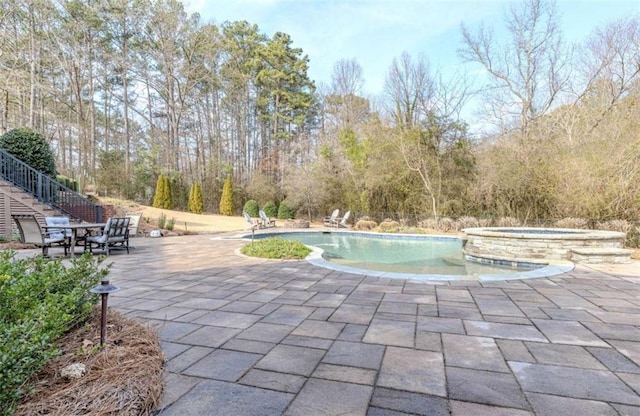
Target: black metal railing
(47, 190)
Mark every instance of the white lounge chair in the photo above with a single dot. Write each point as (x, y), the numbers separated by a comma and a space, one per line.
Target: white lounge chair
(134, 223)
(343, 220)
(252, 224)
(266, 221)
(332, 221)
(31, 233)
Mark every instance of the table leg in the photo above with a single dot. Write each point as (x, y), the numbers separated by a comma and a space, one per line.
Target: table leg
(72, 249)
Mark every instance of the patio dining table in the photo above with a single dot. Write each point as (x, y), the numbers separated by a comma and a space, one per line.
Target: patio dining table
(74, 227)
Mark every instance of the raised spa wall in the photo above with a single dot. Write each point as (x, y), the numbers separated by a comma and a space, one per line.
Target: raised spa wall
(545, 245)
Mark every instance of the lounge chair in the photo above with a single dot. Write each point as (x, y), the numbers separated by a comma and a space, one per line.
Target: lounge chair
(343, 220)
(115, 235)
(332, 221)
(31, 233)
(134, 223)
(252, 224)
(266, 221)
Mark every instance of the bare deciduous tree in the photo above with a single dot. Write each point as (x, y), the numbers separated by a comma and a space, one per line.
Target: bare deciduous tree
(528, 74)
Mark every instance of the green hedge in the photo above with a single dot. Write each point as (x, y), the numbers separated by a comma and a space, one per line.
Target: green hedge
(40, 299)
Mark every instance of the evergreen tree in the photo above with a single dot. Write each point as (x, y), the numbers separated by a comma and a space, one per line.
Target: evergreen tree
(196, 204)
(251, 207)
(167, 197)
(226, 201)
(31, 148)
(158, 198)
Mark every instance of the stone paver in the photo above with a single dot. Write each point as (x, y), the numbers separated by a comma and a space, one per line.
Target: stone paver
(222, 398)
(355, 354)
(246, 336)
(573, 382)
(383, 331)
(473, 352)
(326, 398)
(413, 370)
(291, 359)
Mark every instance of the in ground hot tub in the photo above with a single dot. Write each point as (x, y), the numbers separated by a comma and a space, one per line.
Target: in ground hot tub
(543, 245)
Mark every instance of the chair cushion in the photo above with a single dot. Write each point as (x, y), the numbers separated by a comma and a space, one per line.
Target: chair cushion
(56, 235)
(99, 239)
(58, 221)
(48, 241)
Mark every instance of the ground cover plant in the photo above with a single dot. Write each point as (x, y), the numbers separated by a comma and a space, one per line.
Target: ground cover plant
(276, 248)
(40, 300)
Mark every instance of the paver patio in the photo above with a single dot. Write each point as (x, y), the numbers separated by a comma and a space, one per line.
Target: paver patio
(246, 336)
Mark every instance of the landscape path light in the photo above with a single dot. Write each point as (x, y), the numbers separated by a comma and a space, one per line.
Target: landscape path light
(103, 289)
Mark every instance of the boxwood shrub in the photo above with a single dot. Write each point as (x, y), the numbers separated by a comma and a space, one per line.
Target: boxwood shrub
(251, 208)
(270, 209)
(40, 300)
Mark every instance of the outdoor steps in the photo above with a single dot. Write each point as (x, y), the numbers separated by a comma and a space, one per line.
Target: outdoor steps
(14, 201)
(598, 255)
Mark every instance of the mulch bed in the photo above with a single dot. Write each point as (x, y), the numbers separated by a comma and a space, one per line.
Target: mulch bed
(125, 377)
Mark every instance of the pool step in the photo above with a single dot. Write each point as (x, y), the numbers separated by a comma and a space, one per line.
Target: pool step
(597, 255)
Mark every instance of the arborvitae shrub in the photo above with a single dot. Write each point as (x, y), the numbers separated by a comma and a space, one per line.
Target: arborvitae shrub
(158, 198)
(196, 204)
(31, 148)
(251, 208)
(162, 198)
(270, 209)
(226, 201)
(285, 212)
(167, 197)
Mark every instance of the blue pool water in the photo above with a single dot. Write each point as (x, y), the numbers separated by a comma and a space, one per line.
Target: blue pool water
(416, 255)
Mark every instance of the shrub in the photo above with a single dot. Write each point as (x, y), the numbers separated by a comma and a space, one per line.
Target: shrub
(162, 221)
(166, 193)
(158, 197)
(270, 209)
(251, 208)
(389, 226)
(40, 300)
(572, 223)
(508, 222)
(468, 222)
(285, 212)
(446, 224)
(365, 225)
(171, 223)
(622, 226)
(226, 201)
(276, 248)
(31, 148)
(196, 204)
(68, 182)
(430, 223)
(162, 198)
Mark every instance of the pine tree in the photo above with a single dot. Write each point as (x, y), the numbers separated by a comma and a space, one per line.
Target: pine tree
(226, 201)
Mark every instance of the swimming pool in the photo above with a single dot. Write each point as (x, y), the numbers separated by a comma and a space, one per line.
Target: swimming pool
(406, 256)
